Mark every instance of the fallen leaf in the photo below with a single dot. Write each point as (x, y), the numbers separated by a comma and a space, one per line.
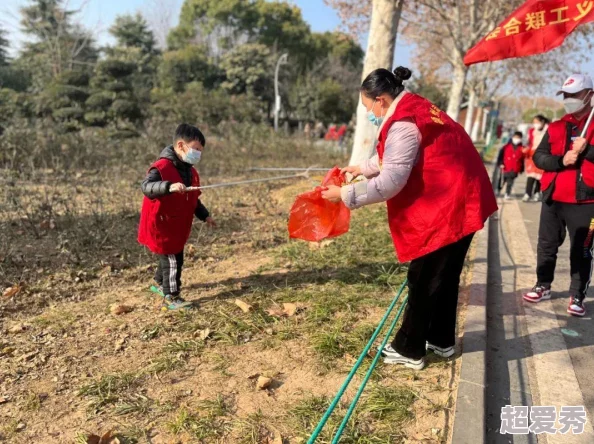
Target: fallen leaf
(118, 309)
(18, 328)
(276, 312)
(202, 334)
(277, 438)
(7, 351)
(106, 438)
(11, 291)
(20, 427)
(245, 307)
(263, 382)
(119, 345)
(350, 359)
(28, 356)
(290, 309)
(253, 376)
(269, 331)
(3, 399)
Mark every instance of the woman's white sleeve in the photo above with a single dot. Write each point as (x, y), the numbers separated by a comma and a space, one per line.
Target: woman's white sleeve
(400, 155)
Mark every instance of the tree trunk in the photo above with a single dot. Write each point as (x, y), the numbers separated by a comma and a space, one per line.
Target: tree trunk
(476, 127)
(380, 54)
(470, 112)
(457, 89)
(484, 132)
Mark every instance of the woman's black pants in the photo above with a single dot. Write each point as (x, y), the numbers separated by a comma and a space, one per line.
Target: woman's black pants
(430, 314)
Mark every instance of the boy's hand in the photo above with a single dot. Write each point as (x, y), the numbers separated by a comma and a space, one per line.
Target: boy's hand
(177, 188)
(210, 222)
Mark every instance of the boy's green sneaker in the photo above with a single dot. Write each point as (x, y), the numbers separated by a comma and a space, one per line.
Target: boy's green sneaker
(157, 290)
(175, 303)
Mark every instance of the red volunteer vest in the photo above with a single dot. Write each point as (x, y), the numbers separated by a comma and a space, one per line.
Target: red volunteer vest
(576, 183)
(166, 222)
(512, 159)
(448, 194)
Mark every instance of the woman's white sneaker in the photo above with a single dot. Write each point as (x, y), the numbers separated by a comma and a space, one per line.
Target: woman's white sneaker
(391, 356)
(443, 352)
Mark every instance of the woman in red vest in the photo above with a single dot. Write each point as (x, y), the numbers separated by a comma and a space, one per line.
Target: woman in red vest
(533, 174)
(438, 194)
(568, 195)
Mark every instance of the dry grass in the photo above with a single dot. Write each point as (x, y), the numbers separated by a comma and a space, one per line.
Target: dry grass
(69, 243)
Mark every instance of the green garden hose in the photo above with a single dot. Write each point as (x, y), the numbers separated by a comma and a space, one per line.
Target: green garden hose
(356, 366)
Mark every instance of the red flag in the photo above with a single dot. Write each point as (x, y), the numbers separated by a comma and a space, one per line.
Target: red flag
(535, 27)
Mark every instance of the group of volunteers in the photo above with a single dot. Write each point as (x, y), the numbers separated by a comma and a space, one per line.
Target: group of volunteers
(514, 159)
(438, 195)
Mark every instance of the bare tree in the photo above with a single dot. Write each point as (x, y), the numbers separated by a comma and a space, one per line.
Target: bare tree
(354, 14)
(449, 30)
(161, 14)
(381, 43)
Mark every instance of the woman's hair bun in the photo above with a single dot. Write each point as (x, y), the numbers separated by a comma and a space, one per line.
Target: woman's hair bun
(401, 73)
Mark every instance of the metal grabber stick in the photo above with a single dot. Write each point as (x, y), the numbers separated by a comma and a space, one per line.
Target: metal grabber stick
(303, 175)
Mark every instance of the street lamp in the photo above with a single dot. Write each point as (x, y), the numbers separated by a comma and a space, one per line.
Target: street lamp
(277, 99)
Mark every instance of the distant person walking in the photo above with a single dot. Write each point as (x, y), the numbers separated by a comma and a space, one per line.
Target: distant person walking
(534, 174)
(511, 162)
(307, 130)
(568, 195)
(319, 130)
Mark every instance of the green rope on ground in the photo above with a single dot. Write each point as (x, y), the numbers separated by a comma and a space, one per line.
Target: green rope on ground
(356, 366)
(351, 409)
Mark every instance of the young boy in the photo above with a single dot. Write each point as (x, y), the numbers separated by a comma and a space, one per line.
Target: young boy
(168, 210)
(511, 161)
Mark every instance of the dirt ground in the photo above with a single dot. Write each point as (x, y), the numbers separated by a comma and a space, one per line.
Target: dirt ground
(72, 365)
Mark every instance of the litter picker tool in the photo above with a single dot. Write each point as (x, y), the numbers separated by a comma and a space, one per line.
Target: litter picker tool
(290, 169)
(303, 175)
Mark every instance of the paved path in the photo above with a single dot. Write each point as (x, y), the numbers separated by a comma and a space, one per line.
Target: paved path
(536, 353)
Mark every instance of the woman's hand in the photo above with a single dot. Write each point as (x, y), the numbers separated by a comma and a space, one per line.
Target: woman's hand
(331, 193)
(354, 170)
(211, 222)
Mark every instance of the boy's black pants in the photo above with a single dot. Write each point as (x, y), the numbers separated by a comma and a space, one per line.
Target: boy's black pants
(509, 179)
(556, 218)
(168, 274)
(430, 314)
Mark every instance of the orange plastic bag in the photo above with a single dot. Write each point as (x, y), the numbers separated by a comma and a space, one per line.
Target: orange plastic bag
(313, 218)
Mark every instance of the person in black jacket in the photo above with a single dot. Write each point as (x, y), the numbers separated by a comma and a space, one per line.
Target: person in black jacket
(186, 152)
(567, 160)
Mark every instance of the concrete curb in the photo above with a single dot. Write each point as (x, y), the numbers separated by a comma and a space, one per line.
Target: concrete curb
(470, 416)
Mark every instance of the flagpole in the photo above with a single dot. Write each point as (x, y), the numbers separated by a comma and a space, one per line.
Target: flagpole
(587, 125)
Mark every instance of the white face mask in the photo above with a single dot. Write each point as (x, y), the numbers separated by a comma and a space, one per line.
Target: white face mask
(192, 156)
(538, 126)
(573, 105)
(516, 141)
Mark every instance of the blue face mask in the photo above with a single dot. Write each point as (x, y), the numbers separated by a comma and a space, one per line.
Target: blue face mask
(377, 121)
(192, 156)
